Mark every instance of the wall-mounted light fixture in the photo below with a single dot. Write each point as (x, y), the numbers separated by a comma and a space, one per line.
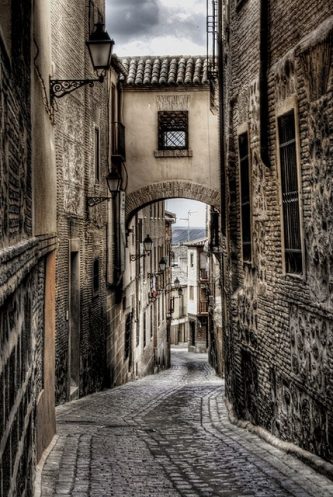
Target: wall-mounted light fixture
(172, 286)
(113, 180)
(162, 266)
(147, 247)
(100, 47)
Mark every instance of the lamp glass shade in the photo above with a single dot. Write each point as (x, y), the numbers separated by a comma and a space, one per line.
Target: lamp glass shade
(100, 48)
(147, 244)
(180, 292)
(113, 180)
(162, 264)
(177, 283)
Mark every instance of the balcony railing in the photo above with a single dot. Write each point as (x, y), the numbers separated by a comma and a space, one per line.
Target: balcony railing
(203, 307)
(203, 274)
(118, 142)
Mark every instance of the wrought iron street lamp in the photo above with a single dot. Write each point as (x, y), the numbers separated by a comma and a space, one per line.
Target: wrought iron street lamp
(100, 47)
(147, 247)
(162, 266)
(113, 180)
(172, 286)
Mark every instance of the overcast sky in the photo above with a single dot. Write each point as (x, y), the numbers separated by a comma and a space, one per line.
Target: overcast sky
(161, 27)
(157, 27)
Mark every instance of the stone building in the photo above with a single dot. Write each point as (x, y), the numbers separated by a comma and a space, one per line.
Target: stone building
(27, 244)
(179, 322)
(278, 332)
(139, 342)
(198, 292)
(84, 148)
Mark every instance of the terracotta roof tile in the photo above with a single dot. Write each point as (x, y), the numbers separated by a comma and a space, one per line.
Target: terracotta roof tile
(181, 70)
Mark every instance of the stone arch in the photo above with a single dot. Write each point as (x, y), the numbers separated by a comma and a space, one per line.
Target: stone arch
(170, 189)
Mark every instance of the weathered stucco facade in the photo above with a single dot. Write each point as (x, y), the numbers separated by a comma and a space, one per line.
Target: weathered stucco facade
(27, 245)
(279, 330)
(169, 85)
(138, 340)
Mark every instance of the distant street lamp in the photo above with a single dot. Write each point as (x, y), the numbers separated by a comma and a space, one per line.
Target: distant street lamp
(147, 248)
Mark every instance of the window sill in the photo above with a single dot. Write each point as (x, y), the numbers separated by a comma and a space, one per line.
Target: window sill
(161, 154)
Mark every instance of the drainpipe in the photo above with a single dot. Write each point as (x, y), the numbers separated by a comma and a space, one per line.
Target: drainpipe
(263, 81)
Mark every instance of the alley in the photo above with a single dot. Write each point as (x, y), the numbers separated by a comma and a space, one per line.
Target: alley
(168, 435)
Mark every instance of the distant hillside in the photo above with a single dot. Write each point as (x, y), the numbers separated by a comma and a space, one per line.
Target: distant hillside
(179, 234)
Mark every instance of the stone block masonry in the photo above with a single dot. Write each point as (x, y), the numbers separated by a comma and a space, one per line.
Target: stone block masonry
(278, 345)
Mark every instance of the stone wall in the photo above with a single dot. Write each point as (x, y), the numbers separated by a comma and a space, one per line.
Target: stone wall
(278, 353)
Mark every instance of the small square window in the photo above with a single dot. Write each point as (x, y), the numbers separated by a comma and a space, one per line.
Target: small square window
(173, 130)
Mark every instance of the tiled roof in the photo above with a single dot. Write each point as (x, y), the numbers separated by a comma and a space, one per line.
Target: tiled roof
(180, 70)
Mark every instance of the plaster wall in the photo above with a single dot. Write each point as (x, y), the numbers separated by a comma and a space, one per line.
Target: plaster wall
(140, 117)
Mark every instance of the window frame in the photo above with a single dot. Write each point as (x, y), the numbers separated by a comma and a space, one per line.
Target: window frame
(162, 129)
(242, 130)
(96, 276)
(289, 105)
(97, 154)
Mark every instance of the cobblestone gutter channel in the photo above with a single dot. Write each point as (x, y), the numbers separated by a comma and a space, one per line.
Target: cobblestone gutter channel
(168, 435)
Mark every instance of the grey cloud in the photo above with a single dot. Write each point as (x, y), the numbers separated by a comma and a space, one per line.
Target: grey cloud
(127, 19)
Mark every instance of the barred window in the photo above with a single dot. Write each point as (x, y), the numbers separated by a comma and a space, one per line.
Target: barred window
(96, 276)
(128, 335)
(245, 195)
(290, 196)
(173, 130)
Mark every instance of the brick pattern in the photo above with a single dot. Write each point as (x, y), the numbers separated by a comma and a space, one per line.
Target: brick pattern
(21, 380)
(169, 189)
(15, 132)
(75, 121)
(277, 343)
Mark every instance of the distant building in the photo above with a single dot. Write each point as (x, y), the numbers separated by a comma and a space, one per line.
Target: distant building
(197, 296)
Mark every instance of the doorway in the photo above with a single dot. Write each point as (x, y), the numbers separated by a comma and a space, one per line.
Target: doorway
(74, 325)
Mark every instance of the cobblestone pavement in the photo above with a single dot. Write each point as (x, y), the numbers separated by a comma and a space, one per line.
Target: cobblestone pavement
(168, 435)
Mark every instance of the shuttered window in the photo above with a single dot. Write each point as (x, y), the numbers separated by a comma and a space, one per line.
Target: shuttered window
(290, 195)
(245, 196)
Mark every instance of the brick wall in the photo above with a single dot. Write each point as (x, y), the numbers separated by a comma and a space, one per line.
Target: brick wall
(81, 230)
(23, 263)
(277, 346)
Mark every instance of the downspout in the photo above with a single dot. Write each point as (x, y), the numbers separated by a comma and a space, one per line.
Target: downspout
(263, 81)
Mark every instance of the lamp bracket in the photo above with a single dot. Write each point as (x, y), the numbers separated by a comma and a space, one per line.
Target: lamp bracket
(151, 275)
(92, 201)
(61, 87)
(135, 257)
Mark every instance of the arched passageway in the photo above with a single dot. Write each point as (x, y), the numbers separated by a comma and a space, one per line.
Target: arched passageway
(167, 190)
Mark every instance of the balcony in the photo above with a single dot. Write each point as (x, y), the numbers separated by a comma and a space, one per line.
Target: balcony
(203, 307)
(118, 143)
(203, 275)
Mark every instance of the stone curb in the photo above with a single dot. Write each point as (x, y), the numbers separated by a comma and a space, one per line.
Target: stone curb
(317, 463)
(40, 466)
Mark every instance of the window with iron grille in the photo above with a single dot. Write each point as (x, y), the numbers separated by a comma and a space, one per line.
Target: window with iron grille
(245, 195)
(173, 130)
(128, 335)
(144, 329)
(290, 195)
(97, 154)
(96, 276)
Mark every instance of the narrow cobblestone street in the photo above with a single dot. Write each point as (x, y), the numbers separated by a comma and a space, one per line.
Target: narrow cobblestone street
(168, 435)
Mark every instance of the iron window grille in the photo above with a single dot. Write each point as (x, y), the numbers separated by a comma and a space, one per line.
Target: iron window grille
(128, 335)
(245, 196)
(173, 130)
(96, 276)
(290, 195)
